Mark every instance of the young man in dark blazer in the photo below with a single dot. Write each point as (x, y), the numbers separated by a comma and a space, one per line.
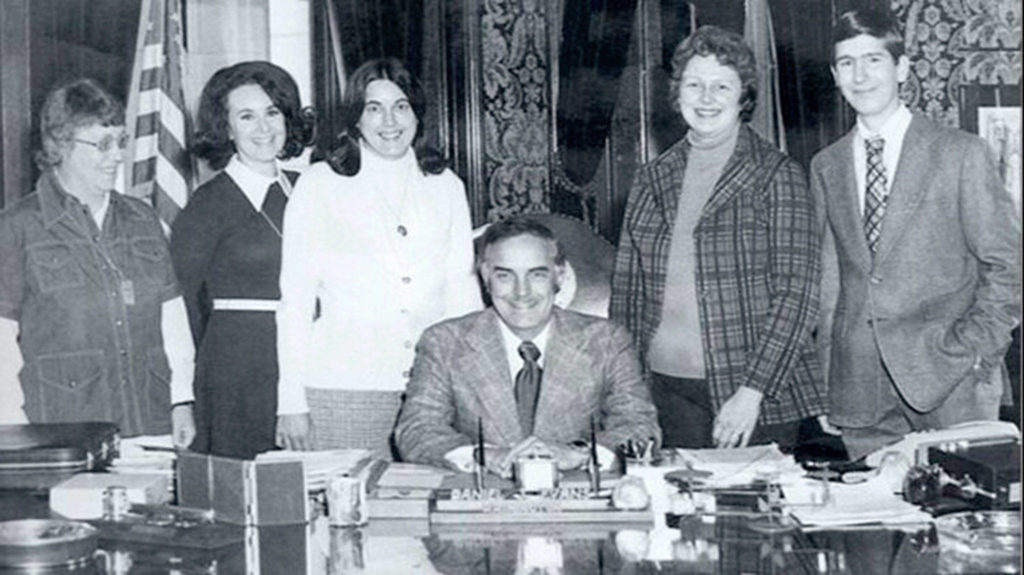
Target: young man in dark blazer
(921, 284)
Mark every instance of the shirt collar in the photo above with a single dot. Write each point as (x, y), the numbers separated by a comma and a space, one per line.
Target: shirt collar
(101, 212)
(52, 199)
(252, 184)
(892, 130)
(512, 342)
(55, 201)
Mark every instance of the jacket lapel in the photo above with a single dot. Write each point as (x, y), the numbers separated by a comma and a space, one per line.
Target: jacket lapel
(905, 194)
(737, 174)
(841, 191)
(668, 181)
(491, 381)
(564, 365)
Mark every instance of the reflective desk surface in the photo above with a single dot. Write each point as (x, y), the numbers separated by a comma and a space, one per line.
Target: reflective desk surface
(725, 543)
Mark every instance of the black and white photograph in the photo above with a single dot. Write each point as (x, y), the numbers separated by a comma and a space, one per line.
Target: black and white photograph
(516, 287)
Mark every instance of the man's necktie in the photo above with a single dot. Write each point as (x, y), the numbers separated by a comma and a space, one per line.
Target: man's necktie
(528, 385)
(273, 206)
(874, 197)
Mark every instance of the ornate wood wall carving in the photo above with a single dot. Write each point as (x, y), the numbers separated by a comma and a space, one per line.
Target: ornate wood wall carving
(955, 46)
(516, 114)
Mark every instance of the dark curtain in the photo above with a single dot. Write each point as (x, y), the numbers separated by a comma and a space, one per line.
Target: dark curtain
(593, 53)
(80, 38)
(812, 107)
(666, 125)
(368, 29)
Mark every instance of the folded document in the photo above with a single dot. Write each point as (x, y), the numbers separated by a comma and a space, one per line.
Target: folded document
(870, 502)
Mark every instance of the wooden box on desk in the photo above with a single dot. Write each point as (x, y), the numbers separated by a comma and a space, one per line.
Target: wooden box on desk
(244, 492)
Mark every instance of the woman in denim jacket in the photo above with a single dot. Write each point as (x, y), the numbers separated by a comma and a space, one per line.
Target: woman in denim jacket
(89, 307)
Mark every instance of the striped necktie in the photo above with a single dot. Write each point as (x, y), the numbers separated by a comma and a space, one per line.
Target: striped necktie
(875, 196)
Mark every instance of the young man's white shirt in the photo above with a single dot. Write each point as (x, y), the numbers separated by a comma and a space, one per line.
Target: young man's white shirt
(893, 132)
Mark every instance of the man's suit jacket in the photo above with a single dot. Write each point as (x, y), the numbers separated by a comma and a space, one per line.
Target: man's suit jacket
(938, 300)
(461, 372)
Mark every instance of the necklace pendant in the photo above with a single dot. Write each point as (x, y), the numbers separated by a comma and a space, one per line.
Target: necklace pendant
(402, 231)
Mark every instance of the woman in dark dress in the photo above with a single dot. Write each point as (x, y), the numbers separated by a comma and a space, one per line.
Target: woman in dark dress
(226, 246)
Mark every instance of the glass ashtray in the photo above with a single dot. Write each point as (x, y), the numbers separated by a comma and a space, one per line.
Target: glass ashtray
(989, 541)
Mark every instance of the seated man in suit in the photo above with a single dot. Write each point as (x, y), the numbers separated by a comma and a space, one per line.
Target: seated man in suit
(536, 374)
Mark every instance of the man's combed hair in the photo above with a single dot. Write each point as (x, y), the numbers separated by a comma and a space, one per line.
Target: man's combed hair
(520, 226)
(880, 24)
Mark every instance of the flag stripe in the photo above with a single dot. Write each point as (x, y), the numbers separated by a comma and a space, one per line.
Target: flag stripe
(147, 125)
(161, 167)
(167, 171)
(166, 207)
(150, 80)
(171, 185)
(143, 171)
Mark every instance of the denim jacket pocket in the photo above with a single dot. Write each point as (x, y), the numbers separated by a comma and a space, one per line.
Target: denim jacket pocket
(151, 255)
(54, 267)
(71, 387)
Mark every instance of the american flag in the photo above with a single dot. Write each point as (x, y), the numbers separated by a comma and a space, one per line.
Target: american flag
(160, 167)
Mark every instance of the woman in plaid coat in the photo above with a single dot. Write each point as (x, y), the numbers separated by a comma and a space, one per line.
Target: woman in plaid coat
(717, 270)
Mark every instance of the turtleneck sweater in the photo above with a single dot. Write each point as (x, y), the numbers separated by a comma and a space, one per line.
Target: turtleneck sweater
(677, 348)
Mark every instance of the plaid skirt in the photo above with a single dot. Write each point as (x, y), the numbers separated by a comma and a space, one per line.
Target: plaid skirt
(354, 419)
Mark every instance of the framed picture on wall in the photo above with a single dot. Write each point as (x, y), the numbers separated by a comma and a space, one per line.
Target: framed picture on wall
(1000, 127)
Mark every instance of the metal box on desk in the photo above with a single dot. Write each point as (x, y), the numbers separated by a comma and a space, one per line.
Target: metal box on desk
(41, 455)
(993, 466)
(244, 492)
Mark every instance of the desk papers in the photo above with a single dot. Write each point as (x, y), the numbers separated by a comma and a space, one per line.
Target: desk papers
(320, 466)
(412, 476)
(869, 502)
(739, 466)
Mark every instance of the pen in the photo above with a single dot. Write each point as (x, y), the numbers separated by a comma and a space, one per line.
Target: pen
(480, 458)
(596, 474)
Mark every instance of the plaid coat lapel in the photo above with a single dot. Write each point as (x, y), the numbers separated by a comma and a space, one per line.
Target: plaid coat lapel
(485, 365)
(742, 170)
(564, 363)
(668, 180)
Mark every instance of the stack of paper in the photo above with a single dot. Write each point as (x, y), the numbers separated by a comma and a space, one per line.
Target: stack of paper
(145, 454)
(321, 466)
(870, 502)
(412, 476)
(739, 466)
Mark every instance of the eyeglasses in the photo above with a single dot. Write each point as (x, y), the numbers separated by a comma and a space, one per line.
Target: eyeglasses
(108, 142)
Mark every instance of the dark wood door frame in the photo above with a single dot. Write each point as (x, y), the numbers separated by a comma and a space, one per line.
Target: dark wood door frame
(15, 102)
